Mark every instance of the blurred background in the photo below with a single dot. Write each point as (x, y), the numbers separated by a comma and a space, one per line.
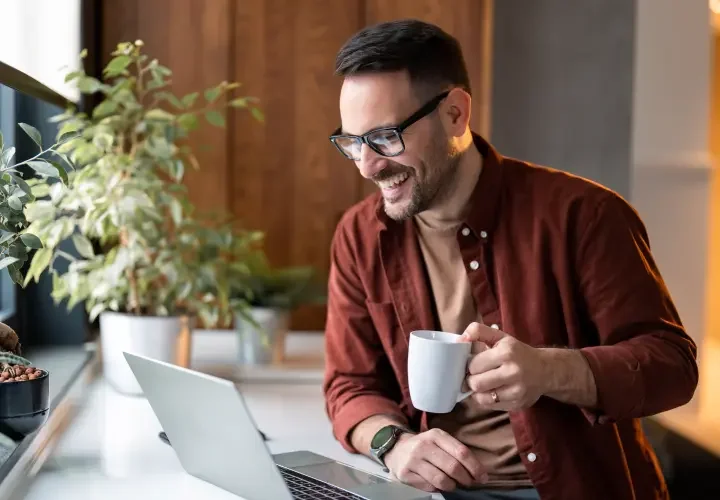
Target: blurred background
(624, 93)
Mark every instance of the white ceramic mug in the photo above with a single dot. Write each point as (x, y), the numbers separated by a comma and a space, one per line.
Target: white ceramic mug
(437, 366)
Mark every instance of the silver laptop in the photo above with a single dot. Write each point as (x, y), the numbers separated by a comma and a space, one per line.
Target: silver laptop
(216, 440)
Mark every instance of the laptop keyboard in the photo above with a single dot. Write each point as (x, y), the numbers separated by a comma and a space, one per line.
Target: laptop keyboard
(307, 488)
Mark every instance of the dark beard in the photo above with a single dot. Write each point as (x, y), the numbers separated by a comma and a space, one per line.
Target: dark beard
(439, 177)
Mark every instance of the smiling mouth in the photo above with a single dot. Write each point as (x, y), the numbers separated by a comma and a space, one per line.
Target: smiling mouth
(394, 181)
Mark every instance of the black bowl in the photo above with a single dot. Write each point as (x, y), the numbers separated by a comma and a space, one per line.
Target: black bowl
(24, 406)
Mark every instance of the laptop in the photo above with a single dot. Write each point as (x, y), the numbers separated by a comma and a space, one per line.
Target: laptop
(216, 440)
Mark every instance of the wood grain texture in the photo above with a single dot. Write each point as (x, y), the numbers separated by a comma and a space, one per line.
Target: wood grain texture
(287, 178)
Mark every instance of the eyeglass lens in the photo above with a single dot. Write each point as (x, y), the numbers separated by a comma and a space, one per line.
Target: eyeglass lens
(384, 142)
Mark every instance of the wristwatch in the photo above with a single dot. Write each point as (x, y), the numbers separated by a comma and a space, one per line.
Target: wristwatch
(384, 440)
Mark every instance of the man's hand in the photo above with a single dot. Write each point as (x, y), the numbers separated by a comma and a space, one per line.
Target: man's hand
(434, 460)
(507, 374)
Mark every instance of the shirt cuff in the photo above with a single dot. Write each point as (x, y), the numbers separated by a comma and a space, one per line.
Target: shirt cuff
(358, 409)
(619, 383)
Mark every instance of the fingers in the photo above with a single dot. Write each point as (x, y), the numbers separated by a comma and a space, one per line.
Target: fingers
(476, 332)
(508, 398)
(485, 361)
(433, 475)
(415, 480)
(460, 453)
(487, 381)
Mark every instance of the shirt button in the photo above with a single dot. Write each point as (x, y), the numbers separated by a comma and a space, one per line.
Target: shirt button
(474, 265)
(497, 327)
(483, 234)
(531, 457)
(465, 231)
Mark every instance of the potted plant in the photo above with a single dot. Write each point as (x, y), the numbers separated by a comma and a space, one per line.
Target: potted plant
(139, 265)
(272, 294)
(24, 390)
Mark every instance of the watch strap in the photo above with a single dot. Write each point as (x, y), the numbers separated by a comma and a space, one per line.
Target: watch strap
(380, 453)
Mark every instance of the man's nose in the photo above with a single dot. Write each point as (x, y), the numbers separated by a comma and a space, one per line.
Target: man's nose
(370, 162)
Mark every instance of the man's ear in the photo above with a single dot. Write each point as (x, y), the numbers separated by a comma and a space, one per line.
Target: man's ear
(456, 112)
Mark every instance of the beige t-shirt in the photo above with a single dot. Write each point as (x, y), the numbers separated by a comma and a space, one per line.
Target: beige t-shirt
(487, 433)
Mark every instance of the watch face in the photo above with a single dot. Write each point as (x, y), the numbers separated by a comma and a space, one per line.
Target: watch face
(381, 437)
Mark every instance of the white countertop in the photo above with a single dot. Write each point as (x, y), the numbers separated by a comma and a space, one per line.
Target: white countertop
(112, 450)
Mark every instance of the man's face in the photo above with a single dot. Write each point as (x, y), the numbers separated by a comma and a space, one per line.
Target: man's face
(411, 181)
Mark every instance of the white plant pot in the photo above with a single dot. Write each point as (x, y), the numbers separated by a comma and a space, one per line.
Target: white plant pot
(153, 336)
(265, 343)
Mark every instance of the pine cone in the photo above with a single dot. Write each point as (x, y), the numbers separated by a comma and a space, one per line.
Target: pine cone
(9, 340)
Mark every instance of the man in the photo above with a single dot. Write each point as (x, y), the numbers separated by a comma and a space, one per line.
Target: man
(550, 271)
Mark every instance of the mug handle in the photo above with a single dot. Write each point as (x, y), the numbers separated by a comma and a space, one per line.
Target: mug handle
(464, 395)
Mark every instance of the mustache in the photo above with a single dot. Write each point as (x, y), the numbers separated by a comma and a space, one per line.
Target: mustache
(390, 171)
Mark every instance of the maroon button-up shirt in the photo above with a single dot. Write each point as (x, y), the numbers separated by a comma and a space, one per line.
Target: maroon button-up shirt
(562, 262)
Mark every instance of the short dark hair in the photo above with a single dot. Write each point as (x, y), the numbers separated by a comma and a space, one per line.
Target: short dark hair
(432, 57)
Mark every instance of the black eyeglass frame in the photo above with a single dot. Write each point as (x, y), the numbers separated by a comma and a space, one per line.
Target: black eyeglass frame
(425, 110)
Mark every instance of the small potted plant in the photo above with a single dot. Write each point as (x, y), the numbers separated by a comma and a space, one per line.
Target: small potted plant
(24, 389)
(272, 294)
(140, 265)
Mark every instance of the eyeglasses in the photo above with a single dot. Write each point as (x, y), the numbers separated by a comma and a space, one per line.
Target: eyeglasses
(386, 141)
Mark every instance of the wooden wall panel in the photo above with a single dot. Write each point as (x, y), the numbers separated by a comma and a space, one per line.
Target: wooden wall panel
(288, 179)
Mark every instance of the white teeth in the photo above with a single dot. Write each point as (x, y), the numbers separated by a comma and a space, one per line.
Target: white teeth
(393, 181)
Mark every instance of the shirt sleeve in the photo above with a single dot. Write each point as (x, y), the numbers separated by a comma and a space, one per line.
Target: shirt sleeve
(359, 381)
(645, 362)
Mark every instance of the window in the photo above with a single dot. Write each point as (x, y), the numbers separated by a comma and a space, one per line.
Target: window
(7, 126)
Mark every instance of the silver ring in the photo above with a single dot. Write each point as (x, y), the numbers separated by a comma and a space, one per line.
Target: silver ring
(494, 395)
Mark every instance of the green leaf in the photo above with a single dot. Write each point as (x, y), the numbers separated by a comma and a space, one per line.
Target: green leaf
(258, 115)
(96, 310)
(39, 262)
(88, 85)
(189, 99)
(177, 211)
(1, 141)
(69, 128)
(15, 203)
(163, 70)
(43, 167)
(66, 160)
(215, 118)
(178, 170)
(240, 102)
(159, 114)
(7, 261)
(7, 155)
(212, 94)
(15, 275)
(172, 99)
(188, 121)
(154, 84)
(33, 133)
(20, 182)
(72, 75)
(83, 245)
(40, 190)
(31, 241)
(83, 53)
(117, 65)
(6, 237)
(61, 172)
(104, 108)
